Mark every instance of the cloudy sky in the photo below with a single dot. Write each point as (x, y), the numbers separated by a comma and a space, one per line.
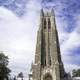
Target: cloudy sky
(19, 22)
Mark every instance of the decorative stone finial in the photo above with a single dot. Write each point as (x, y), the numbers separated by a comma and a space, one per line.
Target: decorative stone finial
(42, 12)
(52, 12)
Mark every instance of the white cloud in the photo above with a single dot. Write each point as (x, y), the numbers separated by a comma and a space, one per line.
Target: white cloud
(15, 41)
(18, 36)
(72, 41)
(69, 42)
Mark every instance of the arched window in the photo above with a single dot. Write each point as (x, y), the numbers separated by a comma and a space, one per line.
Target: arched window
(49, 23)
(47, 77)
(45, 23)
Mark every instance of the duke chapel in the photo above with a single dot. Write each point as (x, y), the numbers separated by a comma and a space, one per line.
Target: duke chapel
(48, 64)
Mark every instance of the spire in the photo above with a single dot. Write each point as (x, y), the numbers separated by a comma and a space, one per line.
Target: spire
(52, 12)
(42, 12)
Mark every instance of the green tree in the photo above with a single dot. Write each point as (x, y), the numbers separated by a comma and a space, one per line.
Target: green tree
(4, 70)
(76, 73)
(20, 75)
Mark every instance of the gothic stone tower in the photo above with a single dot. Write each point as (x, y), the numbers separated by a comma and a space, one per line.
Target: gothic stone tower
(48, 64)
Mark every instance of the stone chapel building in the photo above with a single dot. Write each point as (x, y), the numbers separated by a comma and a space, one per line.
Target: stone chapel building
(48, 64)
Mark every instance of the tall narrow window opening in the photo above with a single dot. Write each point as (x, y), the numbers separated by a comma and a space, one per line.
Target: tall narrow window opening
(45, 23)
(49, 23)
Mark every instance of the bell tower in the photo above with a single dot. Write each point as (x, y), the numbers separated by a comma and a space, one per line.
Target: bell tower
(48, 64)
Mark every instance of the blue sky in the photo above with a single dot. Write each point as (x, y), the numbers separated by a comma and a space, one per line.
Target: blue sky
(19, 22)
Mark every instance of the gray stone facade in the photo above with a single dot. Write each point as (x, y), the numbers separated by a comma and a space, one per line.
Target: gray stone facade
(48, 64)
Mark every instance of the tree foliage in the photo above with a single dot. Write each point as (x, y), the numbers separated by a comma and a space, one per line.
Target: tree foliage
(76, 73)
(4, 70)
(20, 75)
